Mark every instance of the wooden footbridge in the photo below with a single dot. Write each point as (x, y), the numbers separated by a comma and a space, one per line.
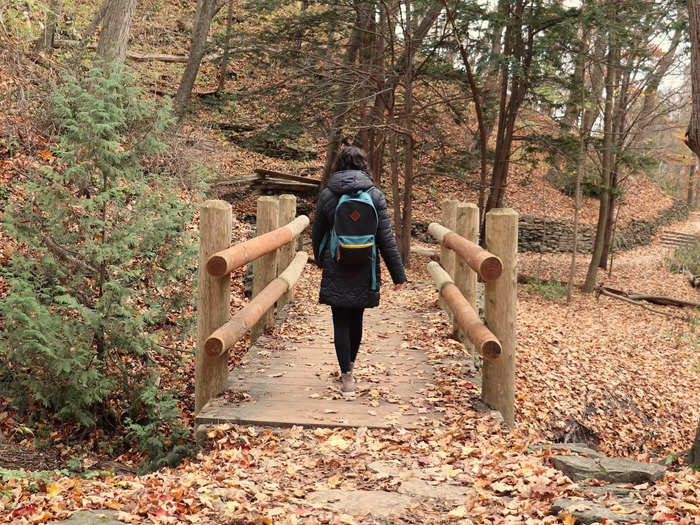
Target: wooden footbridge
(283, 385)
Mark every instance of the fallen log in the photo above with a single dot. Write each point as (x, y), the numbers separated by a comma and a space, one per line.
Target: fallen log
(225, 261)
(481, 337)
(264, 173)
(487, 265)
(244, 180)
(603, 291)
(140, 57)
(225, 337)
(273, 185)
(654, 299)
(427, 252)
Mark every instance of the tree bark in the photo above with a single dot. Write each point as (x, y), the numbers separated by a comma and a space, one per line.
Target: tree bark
(691, 185)
(608, 143)
(376, 135)
(694, 455)
(693, 139)
(693, 133)
(478, 109)
(200, 31)
(518, 43)
(227, 44)
(52, 16)
(405, 242)
(116, 26)
(583, 136)
(340, 110)
(95, 23)
(335, 136)
(395, 190)
(619, 122)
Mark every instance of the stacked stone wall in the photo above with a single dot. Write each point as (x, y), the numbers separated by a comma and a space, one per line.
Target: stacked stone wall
(542, 235)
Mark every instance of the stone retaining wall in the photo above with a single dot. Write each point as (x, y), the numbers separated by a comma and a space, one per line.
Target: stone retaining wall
(538, 234)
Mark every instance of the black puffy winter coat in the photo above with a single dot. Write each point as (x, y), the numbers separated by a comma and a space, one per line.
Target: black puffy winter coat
(351, 286)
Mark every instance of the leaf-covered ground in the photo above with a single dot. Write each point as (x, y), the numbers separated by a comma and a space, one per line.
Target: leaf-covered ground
(628, 375)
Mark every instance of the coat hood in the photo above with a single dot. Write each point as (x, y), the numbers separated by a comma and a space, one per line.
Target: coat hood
(349, 181)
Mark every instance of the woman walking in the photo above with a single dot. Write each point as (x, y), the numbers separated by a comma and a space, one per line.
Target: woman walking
(351, 224)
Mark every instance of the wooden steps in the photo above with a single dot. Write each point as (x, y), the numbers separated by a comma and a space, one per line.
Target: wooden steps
(678, 239)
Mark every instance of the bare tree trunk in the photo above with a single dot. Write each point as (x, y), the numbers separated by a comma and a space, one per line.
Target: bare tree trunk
(95, 23)
(116, 26)
(693, 133)
(519, 43)
(581, 160)
(395, 191)
(200, 31)
(691, 185)
(421, 31)
(478, 109)
(608, 144)
(405, 243)
(376, 135)
(490, 91)
(338, 121)
(52, 16)
(619, 118)
(227, 45)
(694, 455)
(609, 222)
(693, 141)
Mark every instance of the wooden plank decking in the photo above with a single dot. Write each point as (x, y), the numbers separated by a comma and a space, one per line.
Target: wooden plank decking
(293, 384)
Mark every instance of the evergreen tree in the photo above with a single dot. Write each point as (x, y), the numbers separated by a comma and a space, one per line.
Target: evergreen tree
(105, 251)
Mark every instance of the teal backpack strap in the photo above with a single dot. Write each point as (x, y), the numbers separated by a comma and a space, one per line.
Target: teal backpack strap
(374, 267)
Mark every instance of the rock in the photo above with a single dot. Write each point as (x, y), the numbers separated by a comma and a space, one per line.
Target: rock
(385, 469)
(423, 489)
(606, 490)
(590, 512)
(577, 467)
(614, 470)
(581, 449)
(621, 470)
(92, 517)
(379, 503)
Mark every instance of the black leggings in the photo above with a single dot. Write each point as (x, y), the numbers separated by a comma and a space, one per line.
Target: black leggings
(347, 332)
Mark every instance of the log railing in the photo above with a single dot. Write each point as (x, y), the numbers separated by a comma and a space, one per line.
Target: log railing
(461, 261)
(276, 269)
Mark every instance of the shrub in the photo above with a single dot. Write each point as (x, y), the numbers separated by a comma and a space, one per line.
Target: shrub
(686, 259)
(105, 253)
(550, 290)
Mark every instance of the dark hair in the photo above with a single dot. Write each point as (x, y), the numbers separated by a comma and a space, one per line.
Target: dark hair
(352, 158)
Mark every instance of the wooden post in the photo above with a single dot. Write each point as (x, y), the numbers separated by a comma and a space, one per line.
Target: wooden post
(265, 267)
(465, 278)
(213, 300)
(498, 379)
(288, 210)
